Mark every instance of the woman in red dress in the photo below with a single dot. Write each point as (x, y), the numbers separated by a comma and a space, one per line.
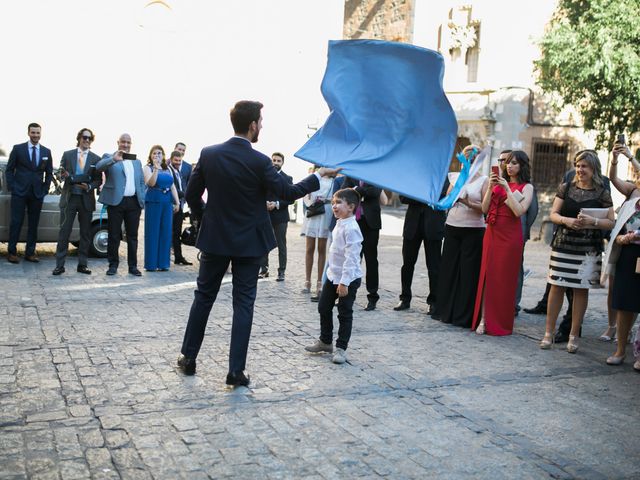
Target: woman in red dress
(502, 245)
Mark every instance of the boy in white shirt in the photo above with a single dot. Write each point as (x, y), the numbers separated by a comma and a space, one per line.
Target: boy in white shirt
(343, 276)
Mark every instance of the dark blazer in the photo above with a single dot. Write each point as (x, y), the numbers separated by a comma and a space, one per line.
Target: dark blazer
(68, 162)
(530, 215)
(23, 177)
(370, 201)
(235, 221)
(434, 220)
(280, 214)
(185, 175)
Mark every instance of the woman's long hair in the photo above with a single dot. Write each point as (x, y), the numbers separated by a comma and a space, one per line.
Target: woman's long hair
(524, 175)
(163, 164)
(590, 157)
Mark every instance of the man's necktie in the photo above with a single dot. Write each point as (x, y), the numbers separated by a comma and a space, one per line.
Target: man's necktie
(33, 157)
(360, 210)
(81, 161)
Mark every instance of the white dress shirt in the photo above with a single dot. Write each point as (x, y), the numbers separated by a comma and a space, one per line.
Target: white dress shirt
(129, 186)
(344, 253)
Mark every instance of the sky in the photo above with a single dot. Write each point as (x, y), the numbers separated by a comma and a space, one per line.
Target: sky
(164, 71)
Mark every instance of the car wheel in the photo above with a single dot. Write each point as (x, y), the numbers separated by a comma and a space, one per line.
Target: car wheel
(99, 235)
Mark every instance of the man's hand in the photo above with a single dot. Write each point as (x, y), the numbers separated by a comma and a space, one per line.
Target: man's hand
(83, 186)
(328, 172)
(118, 156)
(342, 290)
(271, 205)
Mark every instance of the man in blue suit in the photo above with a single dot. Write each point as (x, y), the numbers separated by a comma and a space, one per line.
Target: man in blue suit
(235, 228)
(123, 194)
(29, 174)
(181, 172)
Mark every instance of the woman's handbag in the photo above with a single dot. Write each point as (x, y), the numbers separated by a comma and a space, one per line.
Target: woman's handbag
(316, 208)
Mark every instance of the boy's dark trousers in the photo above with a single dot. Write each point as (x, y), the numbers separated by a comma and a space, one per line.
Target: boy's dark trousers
(345, 312)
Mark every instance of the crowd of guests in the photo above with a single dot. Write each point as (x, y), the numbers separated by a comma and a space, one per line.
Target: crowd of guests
(473, 252)
(123, 185)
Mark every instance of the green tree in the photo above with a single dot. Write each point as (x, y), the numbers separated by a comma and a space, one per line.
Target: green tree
(591, 60)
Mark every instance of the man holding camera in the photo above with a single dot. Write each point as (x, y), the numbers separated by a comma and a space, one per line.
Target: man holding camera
(123, 194)
(78, 169)
(181, 172)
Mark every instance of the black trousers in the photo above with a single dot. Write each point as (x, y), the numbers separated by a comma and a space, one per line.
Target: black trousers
(280, 232)
(33, 206)
(370, 237)
(245, 281)
(345, 312)
(458, 280)
(432, 254)
(75, 206)
(128, 211)
(176, 232)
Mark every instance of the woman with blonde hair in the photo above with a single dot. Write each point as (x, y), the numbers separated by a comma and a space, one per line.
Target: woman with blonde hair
(576, 249)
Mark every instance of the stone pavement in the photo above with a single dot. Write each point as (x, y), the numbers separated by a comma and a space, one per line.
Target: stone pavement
(88, 386)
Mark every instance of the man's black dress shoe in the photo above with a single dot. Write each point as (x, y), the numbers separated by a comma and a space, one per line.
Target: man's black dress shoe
(263, 274)
(83, 269)
(280, 277)
(371, 305)
(401, 306)
(187, 365)
(135, 271)
(182, 261)
(112, 271)
(537, 310)
(561, 337)
(58, 271)
(433, 312)
(238, 379)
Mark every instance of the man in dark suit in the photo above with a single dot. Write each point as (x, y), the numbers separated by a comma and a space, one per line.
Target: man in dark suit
(370, 222)
(29, 174)
(181, 172)
(422, 225)
(235, 228)
(279, 213)
(78, 168)
(123, 194)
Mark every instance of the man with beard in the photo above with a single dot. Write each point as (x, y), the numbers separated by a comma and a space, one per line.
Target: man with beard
(279, 213)
(234, 229)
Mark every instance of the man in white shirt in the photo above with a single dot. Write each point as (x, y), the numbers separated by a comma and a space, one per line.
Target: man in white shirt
(123, 193)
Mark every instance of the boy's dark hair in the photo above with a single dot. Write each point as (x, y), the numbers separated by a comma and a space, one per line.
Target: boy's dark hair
(349, 195)
(243, 113)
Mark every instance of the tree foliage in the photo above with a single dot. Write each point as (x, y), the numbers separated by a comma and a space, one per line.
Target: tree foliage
(591, 60)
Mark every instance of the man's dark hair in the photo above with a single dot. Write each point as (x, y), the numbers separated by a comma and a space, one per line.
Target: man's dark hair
(349, 195)
(33, 125)
(278, 154)
(243, 113)
(505, 151)
(524, 175)
(79, 135)
(176, 154)
(180, 143)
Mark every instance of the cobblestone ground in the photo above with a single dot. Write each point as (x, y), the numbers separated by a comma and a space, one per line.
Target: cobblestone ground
(88, 386)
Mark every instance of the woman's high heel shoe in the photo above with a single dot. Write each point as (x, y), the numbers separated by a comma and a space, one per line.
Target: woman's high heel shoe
(547, 341)
(572, 344)
(608, 334)
(307, 287)
(615, 360)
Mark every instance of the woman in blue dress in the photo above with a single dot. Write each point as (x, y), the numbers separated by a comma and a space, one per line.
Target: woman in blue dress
(160, 201)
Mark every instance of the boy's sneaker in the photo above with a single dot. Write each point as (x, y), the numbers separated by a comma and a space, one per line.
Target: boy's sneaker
(340, 356)
(319, 347)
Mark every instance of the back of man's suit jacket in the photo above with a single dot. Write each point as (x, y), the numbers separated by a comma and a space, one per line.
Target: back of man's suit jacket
(23, 176)
(235, 221)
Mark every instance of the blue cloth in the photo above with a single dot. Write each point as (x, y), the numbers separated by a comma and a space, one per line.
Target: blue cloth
(390, 124)
(158, 219)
